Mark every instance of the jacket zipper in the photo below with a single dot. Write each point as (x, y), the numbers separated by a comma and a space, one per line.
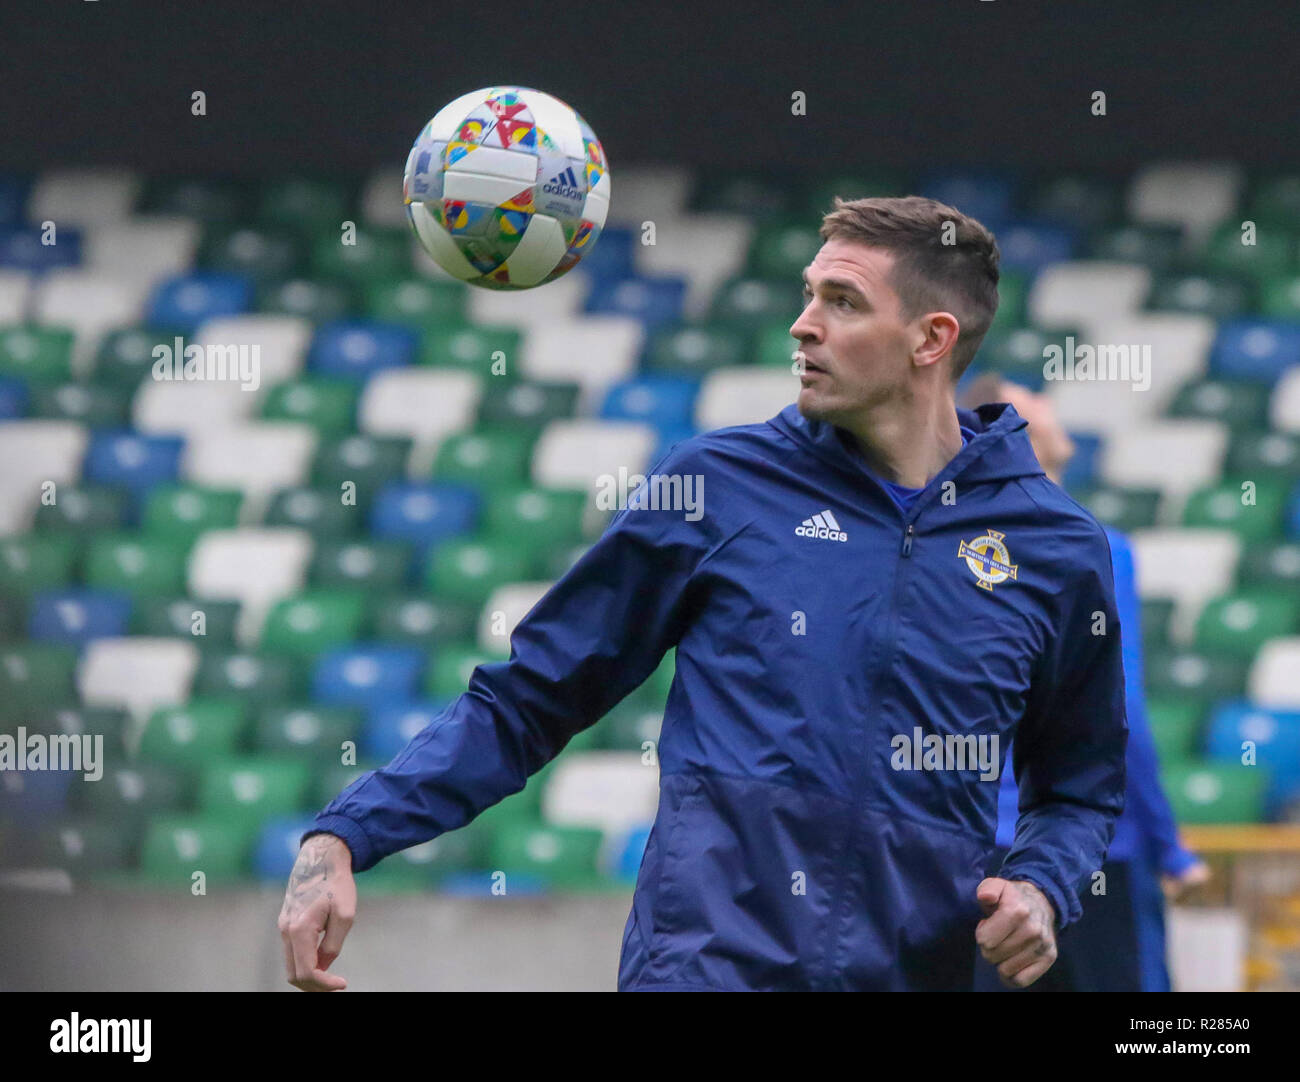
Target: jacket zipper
(907, 541)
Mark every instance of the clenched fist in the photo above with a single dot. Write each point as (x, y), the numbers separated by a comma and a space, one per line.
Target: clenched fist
(1018, 932)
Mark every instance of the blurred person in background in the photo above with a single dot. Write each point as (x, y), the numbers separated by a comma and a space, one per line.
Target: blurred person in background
(1119, 942)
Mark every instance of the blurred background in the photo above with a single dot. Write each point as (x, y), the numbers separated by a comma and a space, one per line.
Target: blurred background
(328, 625)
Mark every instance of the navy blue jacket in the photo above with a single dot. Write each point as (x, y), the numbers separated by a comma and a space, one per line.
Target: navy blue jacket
(825, 643)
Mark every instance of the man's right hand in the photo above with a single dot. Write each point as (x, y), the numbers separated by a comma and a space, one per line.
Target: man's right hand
(321, 898)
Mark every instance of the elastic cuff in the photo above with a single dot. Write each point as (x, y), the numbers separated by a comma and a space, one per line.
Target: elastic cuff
(1067, 906)
(363, 853)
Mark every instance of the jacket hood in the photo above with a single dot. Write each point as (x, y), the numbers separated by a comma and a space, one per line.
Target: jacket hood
(1000, 449)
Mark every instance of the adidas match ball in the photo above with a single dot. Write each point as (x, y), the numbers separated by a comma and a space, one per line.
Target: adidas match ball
(507, 188)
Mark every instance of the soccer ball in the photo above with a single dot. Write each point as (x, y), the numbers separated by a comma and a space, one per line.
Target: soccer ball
(507, 188)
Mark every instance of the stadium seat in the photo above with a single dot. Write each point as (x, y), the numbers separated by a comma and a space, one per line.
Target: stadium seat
(258, 253)
(449, 673)
(561, 300)
(1031, 246)
(481, 349)
(577, 454)
(175, 848)
(1242, 733)
(424, 513)
(186, 408)
(1173, 456)
(1272, 455)
(305, 298)
(328, 405)
(310, 622)
(13, 398)
(421, 304)
(15, 290)
(694, 350)
(1274, 681)
(1176, 727)
(362, 565)
(187, 301)
(1124, 509)
(416, 620)
(1174, 672)
(85, 847)
(257, 679)
(469, 570)
(249, 789)
(650, 193)
(390, 727)
(1269, 255)
(213, 623)
(365, 462)
(595, 352)
(356, 349)
(1082, 292)
(277, 343)
(488, 458)
(34, 674)
(505, 607)
(558, 856)
(1284, 407)
(661, 401)
(135, 462)
(367, 676)
(1218, 794)
(421, 404)
(742, 303)
(254, 458)
(743, 396)
(1196, 196)
(83, 196)
(1270, 566)
(87, 302)
(1156, 246)
(611, 791)
(527, 406)
(136, 674)
(31, 562)
(1189, 566)
(94, 405)
(1239, 624)
(985, 195)
(700, 250)
(306, 731)
(320, 511)
(537, 519)
(1256, 349)
(1252, 510)
(142, 247)
(75, 617)
(194, 734)
(1214, 296)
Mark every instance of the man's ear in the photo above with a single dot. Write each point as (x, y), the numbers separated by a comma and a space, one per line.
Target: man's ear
(937, 335)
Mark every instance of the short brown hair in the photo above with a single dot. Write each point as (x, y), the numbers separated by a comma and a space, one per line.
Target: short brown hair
(936, 268)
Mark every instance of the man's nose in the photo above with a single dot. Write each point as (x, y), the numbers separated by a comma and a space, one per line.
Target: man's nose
(803, 327)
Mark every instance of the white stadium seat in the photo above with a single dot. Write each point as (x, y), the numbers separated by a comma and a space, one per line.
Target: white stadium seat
(15, 288)
(424, 405)
(1274, 681)
(651, 193)
(89, 302)
(743, 396)
(1179, 347)
(1196, 196)
(254, 566)
(579, 453)
(557, 301)
(254, 458)
(512, 601)
(1188, 566)
(611, 791)
(595, 352)
(1175, 456)
(143, 248)
(382, 204)
(1284, 404)
(1078, 293)
(33, 452)
(137, 674)
(704, 249)
(83, 197)
(281, 342)
(165, 407)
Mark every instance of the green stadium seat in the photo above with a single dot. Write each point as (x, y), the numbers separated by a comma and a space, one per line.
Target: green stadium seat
(95, 405)
(1215, 793)
(310, 623)
(1176, 727)
(1082, 201)
(629, 725)
(308, 731)
(13, 618)
(252, 678)
(31, 562)
(306, 204)
(320, 511)
(83, 509)
(540, 519)
(474, 349)
(200, 198)
(758, 197)
(1155, 617)
(1217, 296)
(328, 405)
(450, 669)
(83, 846)
(377, 255)
(32, 675)
(1013, 300)
(1236, 404)
(781, 250)
(1276, 200)
(360, 565)
(773, 346)
(329, 781)
(366, 461)
(1222, 506)
(1266, 454)
(125, 355)
(421, 866)
(560, 856)
(686, 350)
(1239, 624)
(180, 513)
(194, 733)
(488, 458)
(176, 847)
(1270, 566)
(1019, 354)
(129, 792)
(744, 302)
(1124, 509)
(822, 193)
(526, 405)
(251, 789)
(1191, 674)
(1279, 297)
(36, 354)
(419, 303)
(469, 570)
(263, 255)
(1271, 256)
(179, 616)
(1153, 245)
(307, 298)
(422, 621)
(139, 564)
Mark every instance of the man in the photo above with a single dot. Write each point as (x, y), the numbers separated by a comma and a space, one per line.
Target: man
(1119, 942)
(872, 604)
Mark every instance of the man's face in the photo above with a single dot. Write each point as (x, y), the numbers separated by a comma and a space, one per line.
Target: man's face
(855, 342)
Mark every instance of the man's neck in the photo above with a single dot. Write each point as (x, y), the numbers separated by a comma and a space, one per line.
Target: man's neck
(908, 443)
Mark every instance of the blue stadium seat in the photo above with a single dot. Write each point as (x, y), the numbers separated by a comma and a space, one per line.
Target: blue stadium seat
(613, 259)
(77, 616)
(1255, 349)
(138, 462)
(1276, 738)
(424, 512)
(1031, 246)
(13, 399)
(986, 196)
(367, 675)
(390, 727)
(21, 249)
(186, 300)
(13, 195)
(662, 401)
(651, 300)
(1082, 470)
(353, 349)
(32, 797)
(277, 847)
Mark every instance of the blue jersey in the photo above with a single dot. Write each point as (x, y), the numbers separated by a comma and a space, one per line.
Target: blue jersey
(848, 677)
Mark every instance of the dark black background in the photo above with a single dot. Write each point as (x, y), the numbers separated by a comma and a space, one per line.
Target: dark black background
(326, 87)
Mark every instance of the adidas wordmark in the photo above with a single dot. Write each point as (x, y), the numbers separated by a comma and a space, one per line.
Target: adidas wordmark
(822, 527)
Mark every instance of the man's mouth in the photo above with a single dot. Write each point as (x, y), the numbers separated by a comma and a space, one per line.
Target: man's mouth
(809, 365)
